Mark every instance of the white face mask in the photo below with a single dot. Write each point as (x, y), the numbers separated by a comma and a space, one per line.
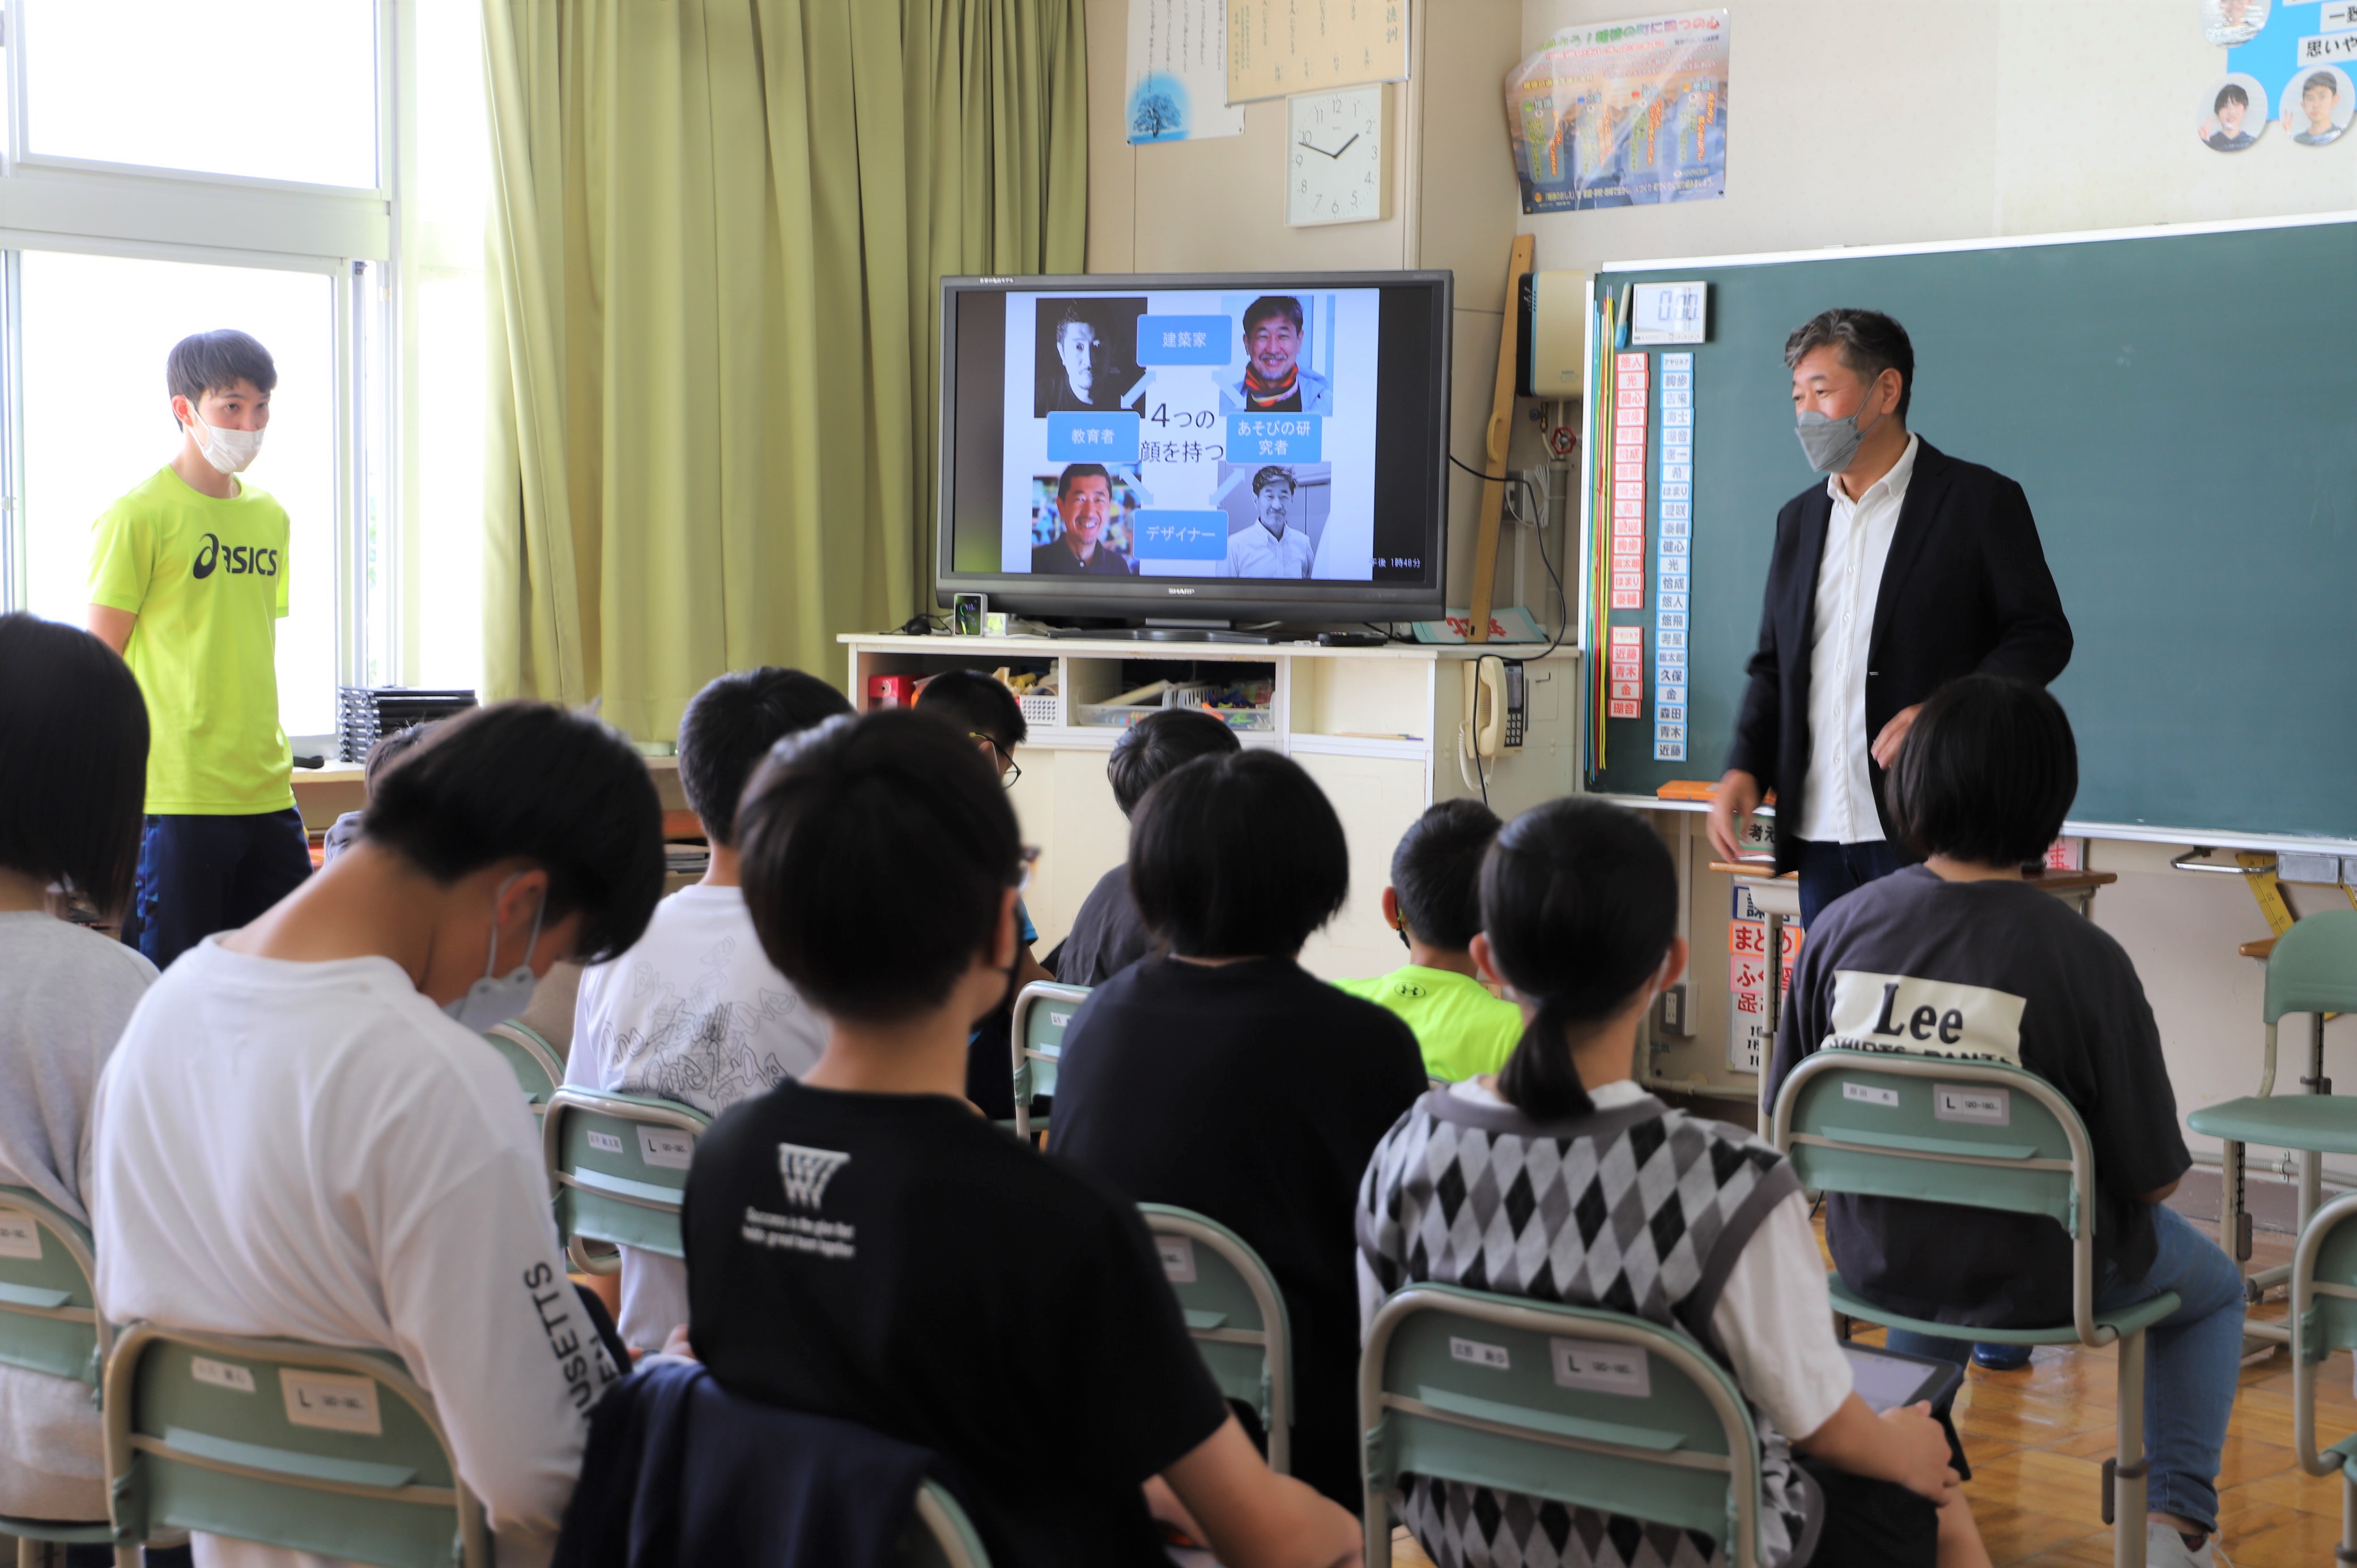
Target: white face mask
(496, 998)
(229, 451)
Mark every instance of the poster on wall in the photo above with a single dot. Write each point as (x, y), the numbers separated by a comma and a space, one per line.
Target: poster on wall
(1177, 88)
(1276, 48)
(2302, 53)
(1628, 113)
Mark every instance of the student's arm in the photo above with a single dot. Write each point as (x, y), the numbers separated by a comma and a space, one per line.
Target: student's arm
(1253, 1518)
(111, 626)
(122, 558)
(1904, 1445)
(2034, 635)
(2132, 1119)
(1028, 970)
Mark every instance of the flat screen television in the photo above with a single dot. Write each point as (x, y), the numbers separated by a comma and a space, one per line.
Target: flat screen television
(1196, 449)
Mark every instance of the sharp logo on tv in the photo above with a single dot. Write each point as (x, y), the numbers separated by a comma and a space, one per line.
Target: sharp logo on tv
(1178, 590)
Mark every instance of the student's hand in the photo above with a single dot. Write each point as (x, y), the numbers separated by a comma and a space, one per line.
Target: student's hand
(675, 1343)
(1894, 735)
(1919, 1445)
(1731, 806)
(1253, 1518)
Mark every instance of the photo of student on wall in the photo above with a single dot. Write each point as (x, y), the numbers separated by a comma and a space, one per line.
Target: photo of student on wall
(1086, 518)
(2239, 99)
(2317, 107)
(1087, 355)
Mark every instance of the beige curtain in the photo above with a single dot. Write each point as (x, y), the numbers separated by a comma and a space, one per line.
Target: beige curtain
(717, 231)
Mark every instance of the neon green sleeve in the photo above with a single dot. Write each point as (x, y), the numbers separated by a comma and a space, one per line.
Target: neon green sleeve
(121, 557)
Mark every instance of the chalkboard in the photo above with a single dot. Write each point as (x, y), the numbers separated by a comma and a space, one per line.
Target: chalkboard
(2181, 408)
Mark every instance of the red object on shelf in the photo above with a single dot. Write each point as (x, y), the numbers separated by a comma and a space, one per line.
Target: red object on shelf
(890, 691)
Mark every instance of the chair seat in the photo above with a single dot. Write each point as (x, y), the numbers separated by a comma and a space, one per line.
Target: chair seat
(2325, 1122)
(63, 1532)
(2127, 1320)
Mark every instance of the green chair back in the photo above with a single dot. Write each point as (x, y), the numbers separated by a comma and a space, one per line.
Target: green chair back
(1944, 1130)
(1236, 1314)
(1587, 1408)
(538, 1067)
(617, 1170)
(939, 1534)
(2313, 967)
(1043, 1012)
(302, 1446)
(2323, 1317)
(48, 1313)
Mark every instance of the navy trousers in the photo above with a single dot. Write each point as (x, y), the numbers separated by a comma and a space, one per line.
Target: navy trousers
(202, 875)
(1830, 870)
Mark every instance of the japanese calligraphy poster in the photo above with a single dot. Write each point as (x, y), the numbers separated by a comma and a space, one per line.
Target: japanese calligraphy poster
(2302, 53)
(1281, 46)
(1179, 71)
(1623, 113)
(1192, 433)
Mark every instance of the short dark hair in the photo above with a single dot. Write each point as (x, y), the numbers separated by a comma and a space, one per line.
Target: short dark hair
(1271, 474)
(1868, 341)
(557, 789)
(1073, 315)
(732, 723)
(1081, 471)
(877, 852)
(1237, 856)
(1436, 872)
(1986, 774)
(1579, 900)
(73, 760)
(388, 750)
(978, 702)
(1158, 743)
(2231, 93)
(1269, 304)
(216, 361)
(2325, 80)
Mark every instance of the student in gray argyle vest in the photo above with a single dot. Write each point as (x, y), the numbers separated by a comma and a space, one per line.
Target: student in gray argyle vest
(1561, 1180)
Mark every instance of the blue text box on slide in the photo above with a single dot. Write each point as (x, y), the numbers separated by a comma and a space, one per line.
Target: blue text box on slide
(1186, 339)
(1173, 533)
(1074, 437)
(1275, 438)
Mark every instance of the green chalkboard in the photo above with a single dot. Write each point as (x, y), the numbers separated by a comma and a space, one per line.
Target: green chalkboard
(2181, 409)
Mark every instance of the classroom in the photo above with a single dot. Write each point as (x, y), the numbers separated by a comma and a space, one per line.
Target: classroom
(1019, 783)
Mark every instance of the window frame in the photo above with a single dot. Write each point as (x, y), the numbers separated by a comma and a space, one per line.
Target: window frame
(349, 233)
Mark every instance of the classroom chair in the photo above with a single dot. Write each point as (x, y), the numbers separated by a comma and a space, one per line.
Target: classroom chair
(49, 1322)
(2324, 1319)
(617, 1172)
(302, 1446)
(1236, 1314)
(1043, 1012)
(2312, 968)
(1583, 1407)
(537, 1066)
(1944, 1130)
(939, 1534)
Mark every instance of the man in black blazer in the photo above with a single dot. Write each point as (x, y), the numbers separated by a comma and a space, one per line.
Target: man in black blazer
(1905, 570)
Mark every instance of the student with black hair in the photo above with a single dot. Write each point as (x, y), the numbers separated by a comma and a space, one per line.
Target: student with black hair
(382, 753)
(1107, 936)
(695, 1012)
(303, 1134)
(1959, 957)
(851, 1236)
(73, 762)
(1625, 1204)
(1434, 905)
(1224, 1077)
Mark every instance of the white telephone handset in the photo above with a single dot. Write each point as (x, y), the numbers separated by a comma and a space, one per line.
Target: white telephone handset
(1493, 710)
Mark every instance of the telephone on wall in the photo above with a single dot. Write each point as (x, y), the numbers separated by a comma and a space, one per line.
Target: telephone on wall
(1496, 708)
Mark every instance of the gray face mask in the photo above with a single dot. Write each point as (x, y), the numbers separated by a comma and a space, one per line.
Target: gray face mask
(496, 998)
(1829, 443)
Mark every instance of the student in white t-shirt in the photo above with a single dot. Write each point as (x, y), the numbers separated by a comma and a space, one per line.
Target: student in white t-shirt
(73, 768)
(303, 1134)
(695, 1012)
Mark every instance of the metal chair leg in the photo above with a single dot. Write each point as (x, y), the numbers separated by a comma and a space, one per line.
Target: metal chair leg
(130, 1557)
(2131, 1469)
(2347, 1551)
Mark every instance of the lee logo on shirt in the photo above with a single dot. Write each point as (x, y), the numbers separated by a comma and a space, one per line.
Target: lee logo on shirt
(1926, 1018)
(237, 560)
(807, 1171)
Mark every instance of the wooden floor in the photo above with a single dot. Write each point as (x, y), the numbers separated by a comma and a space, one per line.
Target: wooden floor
(2038, 1438)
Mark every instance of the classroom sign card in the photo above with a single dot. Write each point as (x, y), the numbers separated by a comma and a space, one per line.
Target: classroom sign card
(1747, 1045)
(1623, 113)
(1630, 381)
(1677, 537)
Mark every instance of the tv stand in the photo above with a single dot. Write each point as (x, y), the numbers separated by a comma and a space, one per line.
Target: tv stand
(1154, 630)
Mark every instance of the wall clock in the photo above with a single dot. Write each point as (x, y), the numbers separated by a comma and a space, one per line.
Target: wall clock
(1338, 156)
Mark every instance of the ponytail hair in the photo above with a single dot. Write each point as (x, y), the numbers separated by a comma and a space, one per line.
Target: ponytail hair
(1579, 900)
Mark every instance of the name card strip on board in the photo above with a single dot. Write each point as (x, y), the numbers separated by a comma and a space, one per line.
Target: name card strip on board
(1672, 614)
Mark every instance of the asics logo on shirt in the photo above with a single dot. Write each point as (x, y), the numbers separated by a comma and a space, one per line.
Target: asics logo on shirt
(807, 1171)
(238, 560)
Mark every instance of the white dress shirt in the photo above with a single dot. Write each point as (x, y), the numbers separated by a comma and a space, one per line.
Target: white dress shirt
(1838, 800)
(1255, 552)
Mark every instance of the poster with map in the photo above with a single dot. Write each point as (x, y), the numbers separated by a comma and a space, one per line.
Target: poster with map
(1628, 113)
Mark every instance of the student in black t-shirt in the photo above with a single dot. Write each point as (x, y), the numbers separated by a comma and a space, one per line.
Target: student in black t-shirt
(860, 1244)
(1958, 957)
(1107, 937)
(1224, 1077)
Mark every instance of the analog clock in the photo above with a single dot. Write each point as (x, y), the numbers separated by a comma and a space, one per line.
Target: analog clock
(1338, 156)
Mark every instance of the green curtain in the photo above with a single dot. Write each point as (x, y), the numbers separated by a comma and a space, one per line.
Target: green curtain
(717, 233)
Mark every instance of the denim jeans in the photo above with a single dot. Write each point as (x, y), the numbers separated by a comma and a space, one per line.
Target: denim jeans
(1830, 870)
(2193, 1359)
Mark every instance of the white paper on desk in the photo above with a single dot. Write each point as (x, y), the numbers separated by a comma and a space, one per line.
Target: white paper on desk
(1178, 85)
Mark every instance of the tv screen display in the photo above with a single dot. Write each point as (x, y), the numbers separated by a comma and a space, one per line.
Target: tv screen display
(1249, 447)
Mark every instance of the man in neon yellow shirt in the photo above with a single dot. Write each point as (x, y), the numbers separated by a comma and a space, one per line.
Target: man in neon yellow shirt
(1435, 904)
(188, 581)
